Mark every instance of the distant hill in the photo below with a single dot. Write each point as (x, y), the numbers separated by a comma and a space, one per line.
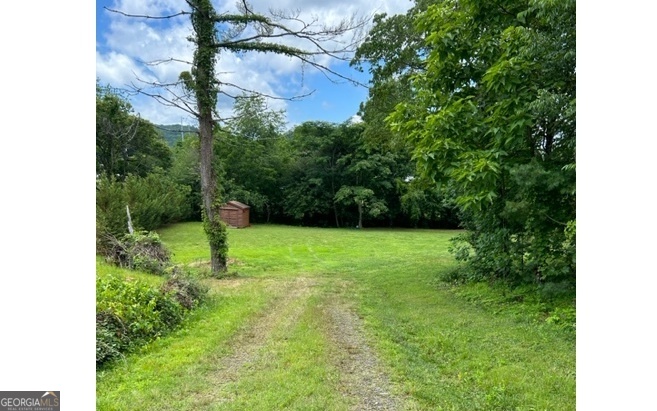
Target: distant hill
(172, 133)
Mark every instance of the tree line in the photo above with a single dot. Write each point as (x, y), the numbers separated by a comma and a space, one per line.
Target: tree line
(315, 174)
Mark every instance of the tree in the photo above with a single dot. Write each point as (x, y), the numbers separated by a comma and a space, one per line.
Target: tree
(493, 116)
(364, 199)
(185, 170)
(254, 120)
(246, 31)
(393, 51)
(425, 204)
(337, 176)
(125, 143)
(315, 176)
(253, 154)
(367, 175)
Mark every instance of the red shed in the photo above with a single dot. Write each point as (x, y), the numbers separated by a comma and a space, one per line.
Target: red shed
(235, 214)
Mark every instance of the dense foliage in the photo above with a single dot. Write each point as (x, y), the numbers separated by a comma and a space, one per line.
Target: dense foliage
(490, 118)
(470, 122)
(253, 156)
(132, 313)
(134, 170)
(125, 143)
(321, 174)
(153, 200)
(317, 174)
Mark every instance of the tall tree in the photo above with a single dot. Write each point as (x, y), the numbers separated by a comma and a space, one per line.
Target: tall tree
(337, 176)
(245, 31)
(393, 51)
(493, 116)
(316, 175)
(253, 155)
(367, 175)
(185, 171)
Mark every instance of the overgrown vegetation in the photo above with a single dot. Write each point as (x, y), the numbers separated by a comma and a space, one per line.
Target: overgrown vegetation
(131, 312)
(133, 166)
(153, 200)
(139, 251)
(126, 144)
(215, 231)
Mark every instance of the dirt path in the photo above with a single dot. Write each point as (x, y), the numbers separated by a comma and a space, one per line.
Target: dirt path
(246, 346)
(363, 378)
(363, 381)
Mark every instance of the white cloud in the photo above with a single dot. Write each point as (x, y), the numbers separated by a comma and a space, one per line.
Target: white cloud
(151, 7)
(128, 43)
(355, 119)
(119, 70)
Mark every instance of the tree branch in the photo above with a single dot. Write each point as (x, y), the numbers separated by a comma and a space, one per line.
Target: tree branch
(268, 35)
(181, 13)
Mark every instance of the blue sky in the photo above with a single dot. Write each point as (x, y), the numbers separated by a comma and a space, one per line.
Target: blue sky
(122, 43)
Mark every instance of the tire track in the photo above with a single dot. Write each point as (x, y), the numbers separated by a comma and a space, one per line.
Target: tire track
(247, 345)
(363, 379)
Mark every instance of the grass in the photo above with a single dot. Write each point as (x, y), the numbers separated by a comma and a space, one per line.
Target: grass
(104, 269)
(294, 371)
(445, 347)
(165, 375)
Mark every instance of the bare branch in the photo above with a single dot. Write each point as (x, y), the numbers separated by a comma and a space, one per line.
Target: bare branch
(181, 13)
(305, 33)
(164, 61)
(268, 34)
(254, 93)
(184, 102)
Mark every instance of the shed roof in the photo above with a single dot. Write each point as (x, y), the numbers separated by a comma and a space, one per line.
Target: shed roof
(237, 204)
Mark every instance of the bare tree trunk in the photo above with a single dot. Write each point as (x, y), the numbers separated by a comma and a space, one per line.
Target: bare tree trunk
(360, 215)
(130, 229)
(206, 99)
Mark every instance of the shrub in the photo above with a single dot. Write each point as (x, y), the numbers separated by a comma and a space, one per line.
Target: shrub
(111, 336)
(186, 290)
(130, 313)
(139, 251)
(154, 200)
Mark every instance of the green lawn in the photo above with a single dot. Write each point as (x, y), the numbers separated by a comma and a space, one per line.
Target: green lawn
(441, 350)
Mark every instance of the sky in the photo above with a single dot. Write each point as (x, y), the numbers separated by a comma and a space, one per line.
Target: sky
(124, 44)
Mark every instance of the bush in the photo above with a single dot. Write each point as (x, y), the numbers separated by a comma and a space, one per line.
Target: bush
(131, 313)
(154, 200)
(187, 291)
(111, 336)
(139, 251)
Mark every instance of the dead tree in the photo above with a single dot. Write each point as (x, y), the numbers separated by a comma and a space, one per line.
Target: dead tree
(277, 32)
